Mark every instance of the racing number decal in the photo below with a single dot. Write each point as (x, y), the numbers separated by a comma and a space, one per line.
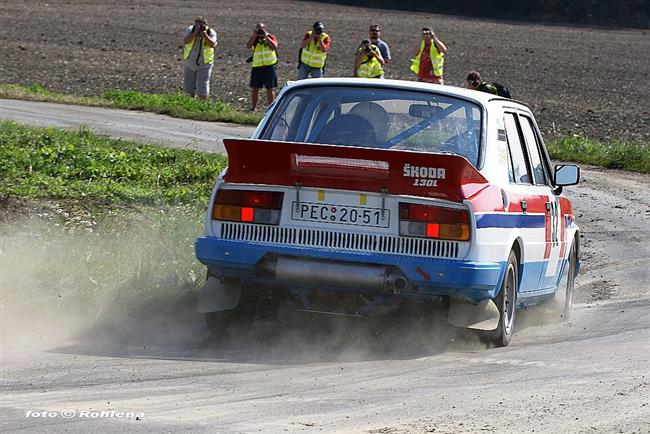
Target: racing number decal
(551, 225)
(553, 251)
(554, 220)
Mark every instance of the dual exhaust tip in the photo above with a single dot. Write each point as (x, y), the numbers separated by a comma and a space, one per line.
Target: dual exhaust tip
(298, 271)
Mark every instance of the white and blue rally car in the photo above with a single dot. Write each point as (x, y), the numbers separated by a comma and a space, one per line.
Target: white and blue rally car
(381, 191)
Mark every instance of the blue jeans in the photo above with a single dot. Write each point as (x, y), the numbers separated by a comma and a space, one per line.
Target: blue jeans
(304, 71)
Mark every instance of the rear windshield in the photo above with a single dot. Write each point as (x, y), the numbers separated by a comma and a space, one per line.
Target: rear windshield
(378, 118)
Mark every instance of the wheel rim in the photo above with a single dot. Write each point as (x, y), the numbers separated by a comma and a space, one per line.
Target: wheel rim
(509, 297)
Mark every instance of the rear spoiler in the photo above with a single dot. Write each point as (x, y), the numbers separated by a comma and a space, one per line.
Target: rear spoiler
(397, 172)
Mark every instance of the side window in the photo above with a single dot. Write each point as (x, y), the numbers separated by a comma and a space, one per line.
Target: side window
(517, 152)
(533, 150)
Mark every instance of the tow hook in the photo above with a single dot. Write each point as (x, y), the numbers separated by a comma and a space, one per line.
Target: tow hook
(396, 282)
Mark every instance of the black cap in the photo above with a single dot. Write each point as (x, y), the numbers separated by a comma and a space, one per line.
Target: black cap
(318, 25)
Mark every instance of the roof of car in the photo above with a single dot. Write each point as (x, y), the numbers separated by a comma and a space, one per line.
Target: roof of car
(479, 97)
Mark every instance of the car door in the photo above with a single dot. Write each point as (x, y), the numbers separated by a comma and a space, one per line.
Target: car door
(552, 223)
(528, 189)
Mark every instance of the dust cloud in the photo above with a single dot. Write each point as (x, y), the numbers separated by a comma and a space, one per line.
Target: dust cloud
(67, 274)
(125, 283)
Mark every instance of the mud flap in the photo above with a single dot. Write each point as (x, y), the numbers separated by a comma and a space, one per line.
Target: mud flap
(215, 296)
(481, 316)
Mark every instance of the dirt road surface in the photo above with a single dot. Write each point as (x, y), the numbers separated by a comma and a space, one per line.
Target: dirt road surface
(589, 374)
(125, 124)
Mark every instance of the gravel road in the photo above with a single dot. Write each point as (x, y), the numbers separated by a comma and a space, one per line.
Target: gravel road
(589, 374)
(125, 124)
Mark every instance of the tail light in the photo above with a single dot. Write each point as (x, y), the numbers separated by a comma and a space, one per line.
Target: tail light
(433, 222)
(248, 206)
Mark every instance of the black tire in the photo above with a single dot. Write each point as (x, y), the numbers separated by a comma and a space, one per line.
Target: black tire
(563, 300)
(506, 302)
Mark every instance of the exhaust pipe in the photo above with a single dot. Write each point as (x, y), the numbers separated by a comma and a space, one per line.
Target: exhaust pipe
(306, 272)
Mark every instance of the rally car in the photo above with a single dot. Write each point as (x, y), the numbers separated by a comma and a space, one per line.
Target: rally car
(381, 191)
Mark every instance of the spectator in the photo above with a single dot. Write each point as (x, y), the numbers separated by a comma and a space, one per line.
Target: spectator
(265, 58)
(430, 58)
(475, 82)
(375, 34)
(313, 52)
(198, 58)
(368, 62)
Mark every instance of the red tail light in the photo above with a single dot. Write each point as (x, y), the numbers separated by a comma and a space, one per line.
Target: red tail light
(433, 222)
(250, 206)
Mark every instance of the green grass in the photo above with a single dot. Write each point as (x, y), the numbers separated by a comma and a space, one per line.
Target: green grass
(615, 155)
(80, 165)
(174, 104)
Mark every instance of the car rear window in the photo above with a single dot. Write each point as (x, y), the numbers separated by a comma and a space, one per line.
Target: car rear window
(378, 118)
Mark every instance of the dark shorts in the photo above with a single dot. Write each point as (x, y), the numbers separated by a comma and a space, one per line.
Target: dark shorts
(264, 76)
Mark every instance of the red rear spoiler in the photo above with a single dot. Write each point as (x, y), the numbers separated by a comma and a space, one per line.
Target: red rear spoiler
(350, 168)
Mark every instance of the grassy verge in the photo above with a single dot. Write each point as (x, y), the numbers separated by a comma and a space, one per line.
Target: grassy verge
(616, 155)
(80, 165)
(96, 231)
(174, 104)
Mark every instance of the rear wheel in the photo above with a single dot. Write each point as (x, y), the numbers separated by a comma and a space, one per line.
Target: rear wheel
(506, 303)
(563, 300)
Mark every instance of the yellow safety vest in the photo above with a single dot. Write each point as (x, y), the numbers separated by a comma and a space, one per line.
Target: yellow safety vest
(263, 55)
(370, 67)
(312, 55)
(208, 51)
(437, 60)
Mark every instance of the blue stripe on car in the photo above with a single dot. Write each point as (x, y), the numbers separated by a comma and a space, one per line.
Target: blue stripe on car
(510, 221)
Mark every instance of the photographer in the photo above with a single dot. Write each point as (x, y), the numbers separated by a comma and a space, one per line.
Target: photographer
(430, 58)
(368, 62)
(264, 61)
(374, 32)
(198, 58)
(313, 52)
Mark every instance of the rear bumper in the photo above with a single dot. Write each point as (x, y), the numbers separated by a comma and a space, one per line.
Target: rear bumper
(427, 277)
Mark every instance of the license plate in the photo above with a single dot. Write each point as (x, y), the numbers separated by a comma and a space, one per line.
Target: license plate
(340, 214)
